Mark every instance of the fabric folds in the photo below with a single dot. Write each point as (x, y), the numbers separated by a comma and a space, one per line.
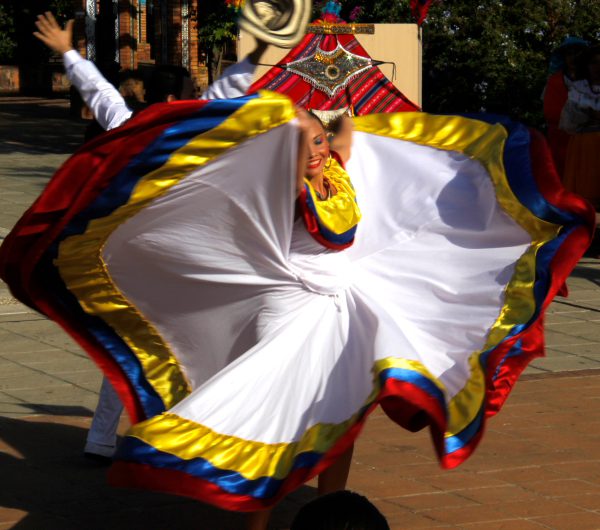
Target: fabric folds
(249, 352)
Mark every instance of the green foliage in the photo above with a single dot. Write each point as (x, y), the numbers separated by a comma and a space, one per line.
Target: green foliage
(216, 24)
(63, 9)
(8, 41)
(373, 11)
(217, 31)
(493, 55)
(379, 11)
(17, 19)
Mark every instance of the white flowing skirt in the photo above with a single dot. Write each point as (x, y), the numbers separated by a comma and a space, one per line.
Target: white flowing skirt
(254, 352)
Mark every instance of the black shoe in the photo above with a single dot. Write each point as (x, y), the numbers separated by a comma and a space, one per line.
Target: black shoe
(100, 460)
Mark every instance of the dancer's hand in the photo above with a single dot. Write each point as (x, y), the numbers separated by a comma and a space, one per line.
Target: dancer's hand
(341, 142)
(52, 35)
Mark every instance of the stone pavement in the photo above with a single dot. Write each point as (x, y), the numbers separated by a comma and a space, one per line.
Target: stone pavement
(537, 467)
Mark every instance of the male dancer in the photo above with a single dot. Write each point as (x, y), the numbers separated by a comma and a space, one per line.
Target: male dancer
(167, 84)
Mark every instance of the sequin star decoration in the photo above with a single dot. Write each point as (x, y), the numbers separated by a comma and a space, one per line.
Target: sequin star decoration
(329, 71)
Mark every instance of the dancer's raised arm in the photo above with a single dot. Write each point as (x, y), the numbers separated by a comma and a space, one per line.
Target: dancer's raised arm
(103, 99)
(237, 78)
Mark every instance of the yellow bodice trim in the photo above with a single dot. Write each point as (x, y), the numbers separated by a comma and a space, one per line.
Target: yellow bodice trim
(340, 212)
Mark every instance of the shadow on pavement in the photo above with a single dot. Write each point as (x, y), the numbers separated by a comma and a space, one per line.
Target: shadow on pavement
(588, 273)
(33, 171)
(45, 475)
(33, 127)
(60, 410)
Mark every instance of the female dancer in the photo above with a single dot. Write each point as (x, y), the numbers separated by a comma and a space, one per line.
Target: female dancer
(250, 338)
(322, 176)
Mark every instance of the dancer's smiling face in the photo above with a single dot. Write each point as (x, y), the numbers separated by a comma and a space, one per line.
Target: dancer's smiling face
(318, 149)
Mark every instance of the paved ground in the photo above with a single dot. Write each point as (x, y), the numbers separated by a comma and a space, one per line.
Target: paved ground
(538, 466)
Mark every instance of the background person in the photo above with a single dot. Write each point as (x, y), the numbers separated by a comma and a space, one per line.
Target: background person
(563, 71)
(581, 118)
(111, 109)
(131, 87)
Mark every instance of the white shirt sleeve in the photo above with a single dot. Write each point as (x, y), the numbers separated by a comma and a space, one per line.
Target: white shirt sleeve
(103, 99)
(233, 83)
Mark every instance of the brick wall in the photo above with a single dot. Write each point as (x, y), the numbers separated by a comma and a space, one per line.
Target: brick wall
(143, 48)
(9, 80)
(127, 35)
(201, 78)
(195, 66)
(134, 49)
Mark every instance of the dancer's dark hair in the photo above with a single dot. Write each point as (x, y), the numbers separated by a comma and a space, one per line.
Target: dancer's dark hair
(165, 80)
(342, 510)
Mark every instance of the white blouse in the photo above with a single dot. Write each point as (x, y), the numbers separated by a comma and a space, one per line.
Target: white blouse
(582, 100)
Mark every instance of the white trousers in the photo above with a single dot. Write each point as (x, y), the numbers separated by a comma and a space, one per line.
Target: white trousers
(102, 436)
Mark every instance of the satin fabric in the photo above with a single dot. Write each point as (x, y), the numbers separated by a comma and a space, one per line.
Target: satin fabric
(382, 310)
(335, 219)
(256, 351)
